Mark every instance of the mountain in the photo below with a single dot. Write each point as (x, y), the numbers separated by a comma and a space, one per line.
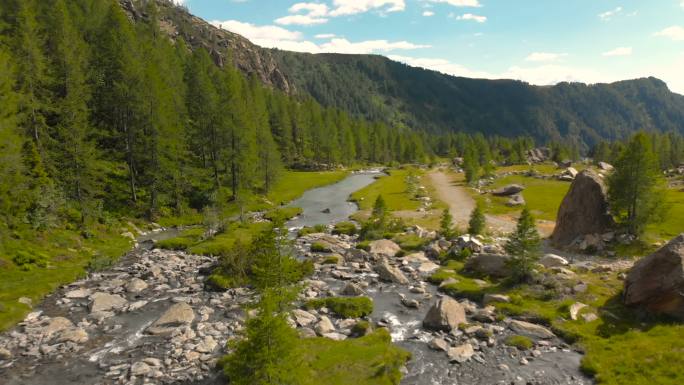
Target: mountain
(378, 88)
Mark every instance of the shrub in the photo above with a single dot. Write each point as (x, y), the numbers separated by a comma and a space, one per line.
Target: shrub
(282, 214)
(365, 245)
(361, 329)
(520, 342)
(100, 262)
(319, 247)
(347, 307)
(27, 261)
(409, 241)
(347, 228)
(331, 260)
(311, 230)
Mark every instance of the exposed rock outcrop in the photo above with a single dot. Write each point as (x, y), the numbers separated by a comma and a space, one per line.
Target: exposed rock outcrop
(389, 273)
(384, 247)
(657, 282)
(584, 210)
(488, 264)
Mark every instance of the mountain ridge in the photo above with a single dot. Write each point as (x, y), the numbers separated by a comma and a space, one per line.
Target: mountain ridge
(378, 88)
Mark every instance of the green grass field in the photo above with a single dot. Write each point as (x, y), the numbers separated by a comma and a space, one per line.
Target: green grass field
(369, 360)
(67, 255)
(544, 168)
(673, 223)
(393, 189)
(543, 196)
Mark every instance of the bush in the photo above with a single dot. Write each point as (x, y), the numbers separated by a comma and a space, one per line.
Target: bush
(365, 245)
(361, 329)
(100, 262)
(27, 261)
(282, 214)
(319, 247)
(311, 230)
(331, 260)
(347, 228)
(347, 307)
(520, 342)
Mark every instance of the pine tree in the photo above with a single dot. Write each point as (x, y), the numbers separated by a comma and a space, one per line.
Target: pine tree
(636, 187)
(269, 161)
(476, 225)
(445, 225)
(524, 247)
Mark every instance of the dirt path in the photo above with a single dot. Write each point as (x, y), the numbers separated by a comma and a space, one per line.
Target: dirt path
(461, 203)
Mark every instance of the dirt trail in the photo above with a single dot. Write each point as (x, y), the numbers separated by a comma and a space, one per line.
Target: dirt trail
(461, 203)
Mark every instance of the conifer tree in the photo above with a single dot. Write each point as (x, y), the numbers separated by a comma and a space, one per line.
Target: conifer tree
(476, 225)
(524, 247)
(636, 187)
(445, 225)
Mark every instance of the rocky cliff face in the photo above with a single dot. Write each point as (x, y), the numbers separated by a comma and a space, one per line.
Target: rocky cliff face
(224, 46)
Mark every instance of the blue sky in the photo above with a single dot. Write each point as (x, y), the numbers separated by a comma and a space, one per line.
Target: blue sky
(538, 41)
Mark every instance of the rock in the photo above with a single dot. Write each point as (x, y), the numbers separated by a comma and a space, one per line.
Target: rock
(352, 289)
(334, 336)
(140, 369)
(592, 242)
(656, 282)
(152, 361)
(516, 200)
(307, 333)
(389, 273)
(495, 298)
(356, 255)
(208, 345)
(605, 166)
(178, 315)
(410, 303)
(469, 242)
(384, 247)
(553, 260)
(75, 335)
(438, 344)
(589, 317)
(446, 314)
(461, 353)
(136, 285)
(303, 318)
(531, 330)
(418, 257)
(575, 309)
(584, 210)
(324, 326)
(26, 301)
(427, 267)
(571, 172)
(5, 355)
(105, 302)
(488, 264)
(56, 325)
(78, 293)
(511, 189)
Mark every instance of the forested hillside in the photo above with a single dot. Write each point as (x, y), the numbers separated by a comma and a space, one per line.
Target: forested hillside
(104, 115)
(440, 103)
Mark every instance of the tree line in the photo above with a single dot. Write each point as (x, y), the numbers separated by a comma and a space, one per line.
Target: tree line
(102, 115)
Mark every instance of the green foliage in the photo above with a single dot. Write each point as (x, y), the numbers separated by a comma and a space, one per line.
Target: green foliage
(369, 360)
(282, 214)
(445, 225)
(331, 260)
(520, 342)
(319, 247)
(27, 261)
(347, 228)
(347, 307)
(409, 242)
(636, 187)
(320, 228)
(476, 225)
(524, 247)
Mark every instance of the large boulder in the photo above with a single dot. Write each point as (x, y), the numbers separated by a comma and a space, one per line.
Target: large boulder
(584, 210)
(553, 260)
(494, 265)
(178, 315)
(657, 281)
(389, 273)
(511, 189)
(530, 330)
(446, 314)
(384, 247)
(106, 302)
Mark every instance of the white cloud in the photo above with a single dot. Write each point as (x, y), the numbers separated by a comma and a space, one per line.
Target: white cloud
(605, 16)
(619, 51)
(305, 14)
(441, 65)
(340, 45)
(458, 3)
(544, 56)
(674, 32)
(300, 20)
(271, 36)
(682, 4)
(353, 7)
(428, 13)
(325, 36)
(470, 16)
